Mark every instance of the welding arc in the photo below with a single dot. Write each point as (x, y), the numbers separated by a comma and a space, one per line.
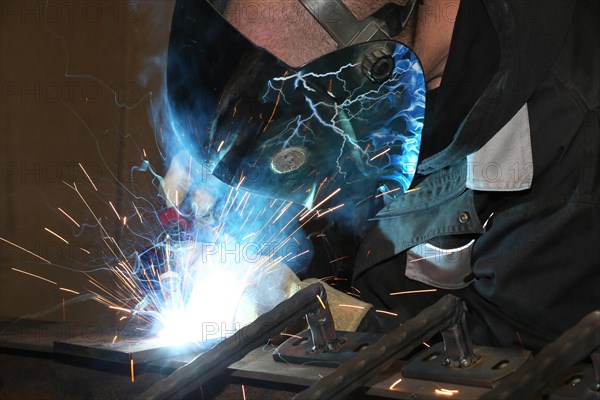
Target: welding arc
(551, 363)
(208, 365)
(399, 343)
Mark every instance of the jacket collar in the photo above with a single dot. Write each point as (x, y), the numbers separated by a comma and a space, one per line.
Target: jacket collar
(527, 50)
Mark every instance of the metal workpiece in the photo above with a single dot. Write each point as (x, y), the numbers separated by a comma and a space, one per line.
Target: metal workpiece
(596, 364)
(557, 358)
(395, 345)
(458, 345)
(208, 365)
(492, 365)
(322, 327)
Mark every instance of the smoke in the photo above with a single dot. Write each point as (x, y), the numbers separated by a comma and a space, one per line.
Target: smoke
(256, 151)
(225, 250)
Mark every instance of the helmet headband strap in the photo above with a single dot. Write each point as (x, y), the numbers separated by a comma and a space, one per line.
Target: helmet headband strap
(346, 30)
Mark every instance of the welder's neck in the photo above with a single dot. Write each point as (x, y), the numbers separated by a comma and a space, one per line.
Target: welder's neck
(429, 34)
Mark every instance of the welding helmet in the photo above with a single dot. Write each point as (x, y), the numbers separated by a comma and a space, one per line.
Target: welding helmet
(350, 120)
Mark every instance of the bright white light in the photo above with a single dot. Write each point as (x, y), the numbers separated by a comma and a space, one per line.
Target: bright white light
(208, 314)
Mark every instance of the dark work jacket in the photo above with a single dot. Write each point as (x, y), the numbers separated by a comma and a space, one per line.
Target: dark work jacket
(534, 269)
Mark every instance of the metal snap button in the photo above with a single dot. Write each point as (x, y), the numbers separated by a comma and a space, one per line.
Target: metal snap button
(464, 217)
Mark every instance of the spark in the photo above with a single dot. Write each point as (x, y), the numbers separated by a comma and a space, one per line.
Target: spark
(298, 255)
(413, 292)
(321, 301)
(413, 190)
(320, 186)
(137, 212)
(57, 235)
(388, 192)
(68, 216)
(487, 221)
(393, 385)
(122, 318)
(248, 236)
(386, 312)
(283, 211)
(380, 154)
(240, 184)
(132, 371)
(243, 392)
(86, 174)
(235, 107)
(144, 153)
(329, 210)
(120, 309)
(115, 210)
(365, 151)
(114, 339)
(446, 392)
(84, 250)
(99, 287)
(125, 220)
(352, 306)
(243, 201)
(426, 344)
(69, 290)
(520, 341)
(25, 250)
(290, 335)
(336, 191)
(34, 275)
(74, 187)
(338, 259)
(285, 74)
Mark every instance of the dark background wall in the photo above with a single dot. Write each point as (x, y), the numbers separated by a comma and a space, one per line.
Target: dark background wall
(79, 83)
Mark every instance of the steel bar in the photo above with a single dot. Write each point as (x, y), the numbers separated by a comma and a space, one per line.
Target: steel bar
(554, 360)
(208, 365)
(397, 344)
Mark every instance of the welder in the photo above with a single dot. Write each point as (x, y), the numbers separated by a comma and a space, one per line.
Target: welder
(502, 203)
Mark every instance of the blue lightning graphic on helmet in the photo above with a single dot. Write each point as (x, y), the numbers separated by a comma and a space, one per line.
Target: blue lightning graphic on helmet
(378, 125)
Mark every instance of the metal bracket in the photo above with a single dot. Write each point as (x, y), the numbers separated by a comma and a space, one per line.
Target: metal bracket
(493, 364)
(458, 361)
(578, 383)
(458, 345)
(322, 328)
(299, 349)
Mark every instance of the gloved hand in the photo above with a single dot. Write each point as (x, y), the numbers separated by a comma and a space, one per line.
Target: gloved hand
(269, 284)
(181, 177)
